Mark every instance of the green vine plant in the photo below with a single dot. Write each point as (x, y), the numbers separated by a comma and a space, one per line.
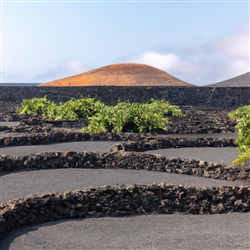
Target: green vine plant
(70, 110)
(133, 117)
(242, 117)
(123, 117)
(40, 106)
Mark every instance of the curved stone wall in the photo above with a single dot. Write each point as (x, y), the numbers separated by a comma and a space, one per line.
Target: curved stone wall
(142, 141)
(134, 199)
(125, 160)
(160, 143)
(124, 200)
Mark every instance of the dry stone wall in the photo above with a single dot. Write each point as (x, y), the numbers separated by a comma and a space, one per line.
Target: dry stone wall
(195, 121)
(124, 200)
(133, 199)
(124, 160)
(160, 143)
(142, 142)
(199, 97)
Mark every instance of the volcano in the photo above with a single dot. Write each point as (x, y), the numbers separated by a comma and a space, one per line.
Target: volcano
(238, 81)
(124, 74)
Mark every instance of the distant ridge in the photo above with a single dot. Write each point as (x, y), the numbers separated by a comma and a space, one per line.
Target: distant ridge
(238, 81)
(124, 74)
(19, 84)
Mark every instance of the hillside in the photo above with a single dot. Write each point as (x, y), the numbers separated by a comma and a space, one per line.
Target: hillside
(125, 74)
(238, 81)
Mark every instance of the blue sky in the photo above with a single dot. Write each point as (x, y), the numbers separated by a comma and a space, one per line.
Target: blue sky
(199, 42)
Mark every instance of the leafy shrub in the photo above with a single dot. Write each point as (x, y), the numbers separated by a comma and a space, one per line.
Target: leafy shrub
(125, 116)
(40, 106)
(242, 117)
(78, 108)
(71, 110)
(133, 117)
(84, 107)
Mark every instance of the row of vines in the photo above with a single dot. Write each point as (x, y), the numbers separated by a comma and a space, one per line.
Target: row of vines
(126, 116)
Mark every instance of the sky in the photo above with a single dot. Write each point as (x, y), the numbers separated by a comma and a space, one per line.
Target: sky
(200, 42)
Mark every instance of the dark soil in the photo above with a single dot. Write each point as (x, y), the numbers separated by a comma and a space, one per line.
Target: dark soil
(206, 112)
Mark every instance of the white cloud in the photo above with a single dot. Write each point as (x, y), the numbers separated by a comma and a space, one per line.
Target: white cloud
(233, 45)
(66, 69)
(74, 67)
(171, 63)
(10, 77)
(218, 60)
(166, 62)
(238, 66)
(196, 70)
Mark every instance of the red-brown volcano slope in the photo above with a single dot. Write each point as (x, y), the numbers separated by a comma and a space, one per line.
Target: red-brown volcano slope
(125, 74)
